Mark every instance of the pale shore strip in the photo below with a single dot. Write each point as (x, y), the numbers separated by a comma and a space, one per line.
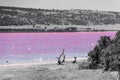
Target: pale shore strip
(51, 71)
(26, 64)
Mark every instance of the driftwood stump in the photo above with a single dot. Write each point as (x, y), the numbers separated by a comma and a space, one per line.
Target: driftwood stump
(118, 69)
(74, 60)
(61, 58)
(118, 78)
(118, 75)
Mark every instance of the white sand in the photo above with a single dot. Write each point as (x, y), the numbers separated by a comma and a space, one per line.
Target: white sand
(49, 71)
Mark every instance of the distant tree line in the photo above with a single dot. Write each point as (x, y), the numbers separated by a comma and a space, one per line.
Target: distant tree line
(29, 16)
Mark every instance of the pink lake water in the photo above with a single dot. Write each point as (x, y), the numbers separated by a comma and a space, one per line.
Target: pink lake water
(36, 46)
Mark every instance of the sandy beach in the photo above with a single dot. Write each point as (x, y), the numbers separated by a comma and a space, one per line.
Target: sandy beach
(52, 71)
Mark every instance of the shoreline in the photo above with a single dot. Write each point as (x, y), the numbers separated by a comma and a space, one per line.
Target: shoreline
(58, 28)
(23, 64)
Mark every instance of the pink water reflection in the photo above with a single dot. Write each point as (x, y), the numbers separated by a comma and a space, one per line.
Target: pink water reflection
(49, 43)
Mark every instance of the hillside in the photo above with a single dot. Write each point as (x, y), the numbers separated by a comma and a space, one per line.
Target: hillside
(29, 16)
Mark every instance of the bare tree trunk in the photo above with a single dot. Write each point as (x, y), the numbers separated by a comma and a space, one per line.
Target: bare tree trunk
(61, 58)
(118, 69)
(74, 60)
(118, 75)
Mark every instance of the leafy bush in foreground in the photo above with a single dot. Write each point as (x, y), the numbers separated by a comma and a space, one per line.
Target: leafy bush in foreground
(106, 53)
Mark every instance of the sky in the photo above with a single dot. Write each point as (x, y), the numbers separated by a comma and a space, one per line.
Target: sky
(103, 5)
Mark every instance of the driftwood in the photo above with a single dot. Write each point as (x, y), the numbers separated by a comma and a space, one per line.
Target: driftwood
(74, 60)
(61, 58)
(118, 69)
(118, 75)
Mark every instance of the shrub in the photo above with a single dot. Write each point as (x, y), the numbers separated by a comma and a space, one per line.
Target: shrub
(106, 53)
(83, 65)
